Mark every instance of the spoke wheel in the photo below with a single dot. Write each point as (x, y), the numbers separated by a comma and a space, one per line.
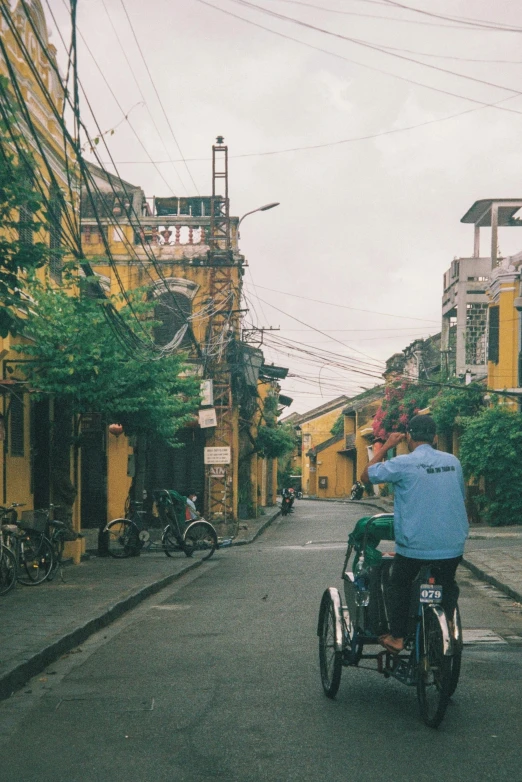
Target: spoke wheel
(123, 538)
(456, 658)
(7, 570)
(433, 673)
(58, 545)
(35, 560)
(169, 541)
(200, 540)
(330, 659)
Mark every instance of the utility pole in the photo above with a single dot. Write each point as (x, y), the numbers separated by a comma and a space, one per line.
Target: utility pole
(223, 327)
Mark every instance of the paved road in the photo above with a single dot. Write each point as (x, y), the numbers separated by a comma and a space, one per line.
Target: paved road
(216, 678)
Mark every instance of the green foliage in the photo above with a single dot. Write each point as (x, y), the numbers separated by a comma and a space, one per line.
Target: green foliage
(273, 442)
(401, 402)
(19, 255)
(338, 427)
(491, 449)
(76, 356)
(452, 404)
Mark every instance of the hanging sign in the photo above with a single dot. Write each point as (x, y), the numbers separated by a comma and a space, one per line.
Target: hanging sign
(217, 455)
(207, 418)
(207, 392)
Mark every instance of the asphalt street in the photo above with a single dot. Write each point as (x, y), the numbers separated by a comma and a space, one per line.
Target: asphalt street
(216, 678)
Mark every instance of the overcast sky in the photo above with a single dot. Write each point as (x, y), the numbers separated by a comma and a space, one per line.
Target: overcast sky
(364, 224)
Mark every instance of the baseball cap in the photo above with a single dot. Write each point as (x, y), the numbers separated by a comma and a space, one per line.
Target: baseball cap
(422, 427)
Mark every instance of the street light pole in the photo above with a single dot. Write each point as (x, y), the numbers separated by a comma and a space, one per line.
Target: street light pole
(264, 208)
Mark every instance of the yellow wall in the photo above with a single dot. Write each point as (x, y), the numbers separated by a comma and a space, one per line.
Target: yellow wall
(338, 468)
(318, 429)
(505, 373)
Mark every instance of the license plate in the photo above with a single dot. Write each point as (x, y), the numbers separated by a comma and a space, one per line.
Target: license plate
(430, 593)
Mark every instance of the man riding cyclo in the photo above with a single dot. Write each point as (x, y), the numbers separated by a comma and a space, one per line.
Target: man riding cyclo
(430, 519)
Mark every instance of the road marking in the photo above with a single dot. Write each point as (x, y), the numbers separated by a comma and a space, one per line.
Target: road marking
(180, 607)
(481, 636)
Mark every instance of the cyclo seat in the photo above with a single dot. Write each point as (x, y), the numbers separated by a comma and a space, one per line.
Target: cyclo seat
(365, 539)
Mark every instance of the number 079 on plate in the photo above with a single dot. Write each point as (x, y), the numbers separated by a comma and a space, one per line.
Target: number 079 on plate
(430, 593)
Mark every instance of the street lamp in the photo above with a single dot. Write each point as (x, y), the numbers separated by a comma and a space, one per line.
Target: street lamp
(259, 209)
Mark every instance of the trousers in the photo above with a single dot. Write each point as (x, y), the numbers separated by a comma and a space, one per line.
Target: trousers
(404, 572)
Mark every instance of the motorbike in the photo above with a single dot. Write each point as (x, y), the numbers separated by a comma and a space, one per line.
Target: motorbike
(357, 491)
(287, 501)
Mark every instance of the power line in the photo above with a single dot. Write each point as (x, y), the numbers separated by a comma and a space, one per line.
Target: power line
(374, 47)
(158, 95)
(345, 306)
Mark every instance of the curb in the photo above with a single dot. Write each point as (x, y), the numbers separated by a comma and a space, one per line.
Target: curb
(20, 673)
(492, 580)
(347, 501)
(258, 532)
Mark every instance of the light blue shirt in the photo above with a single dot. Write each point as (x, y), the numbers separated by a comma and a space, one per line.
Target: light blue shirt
(430, 518)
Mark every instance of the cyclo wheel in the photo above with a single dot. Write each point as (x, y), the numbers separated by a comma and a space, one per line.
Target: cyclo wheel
(433, 671)
(169, 541)
(456, 658)
(123, 538)
(330, 658)
(200, 540)
(36, 560)
(7, 570)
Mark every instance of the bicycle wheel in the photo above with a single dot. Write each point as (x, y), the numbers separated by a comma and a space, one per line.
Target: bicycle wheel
(169, 541)
(456, 658)
(35, 560)
(330, 658)
(433, 672)
(123, 538)
(200, 540)
(7, 570)
(58, 545)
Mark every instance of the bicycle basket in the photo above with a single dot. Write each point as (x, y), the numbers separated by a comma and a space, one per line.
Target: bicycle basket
(34, 520)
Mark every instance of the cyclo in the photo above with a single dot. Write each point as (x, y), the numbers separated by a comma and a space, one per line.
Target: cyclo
(346, 628)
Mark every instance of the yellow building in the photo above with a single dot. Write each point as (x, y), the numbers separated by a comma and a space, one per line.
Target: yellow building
(504, 332)
(315, 428)
(28, 61)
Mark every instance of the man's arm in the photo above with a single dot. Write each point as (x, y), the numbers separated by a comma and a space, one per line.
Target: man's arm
(393, 440)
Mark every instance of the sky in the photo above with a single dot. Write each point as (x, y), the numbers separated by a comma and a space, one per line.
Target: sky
(350, 113)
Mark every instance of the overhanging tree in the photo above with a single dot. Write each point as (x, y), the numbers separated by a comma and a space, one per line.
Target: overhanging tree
(20, 204)
(77, 358)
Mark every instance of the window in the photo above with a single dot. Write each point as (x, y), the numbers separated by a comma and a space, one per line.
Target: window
(16, 425)
(172, 311)
(25, 216)
(55, 233)
(493, 335)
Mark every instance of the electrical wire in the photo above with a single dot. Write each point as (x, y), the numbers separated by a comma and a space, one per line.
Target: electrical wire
(158, 95)
(375, 47)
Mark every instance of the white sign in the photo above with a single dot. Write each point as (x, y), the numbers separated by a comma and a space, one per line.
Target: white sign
(207, 392)
(217, 472)
(217, 455)
(207, 418)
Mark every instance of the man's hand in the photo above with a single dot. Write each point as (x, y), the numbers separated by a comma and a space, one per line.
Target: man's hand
(393, 440)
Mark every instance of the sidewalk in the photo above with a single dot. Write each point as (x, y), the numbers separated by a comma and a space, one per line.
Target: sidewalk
(39, 624)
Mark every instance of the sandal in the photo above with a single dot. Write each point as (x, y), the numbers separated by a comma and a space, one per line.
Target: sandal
(391, 644)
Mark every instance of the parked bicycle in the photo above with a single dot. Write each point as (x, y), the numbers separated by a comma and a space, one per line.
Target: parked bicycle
(130, 536)
(25, 539)
(7, 558)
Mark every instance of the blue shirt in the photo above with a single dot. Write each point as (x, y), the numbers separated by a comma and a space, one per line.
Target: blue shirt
(430, 518)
